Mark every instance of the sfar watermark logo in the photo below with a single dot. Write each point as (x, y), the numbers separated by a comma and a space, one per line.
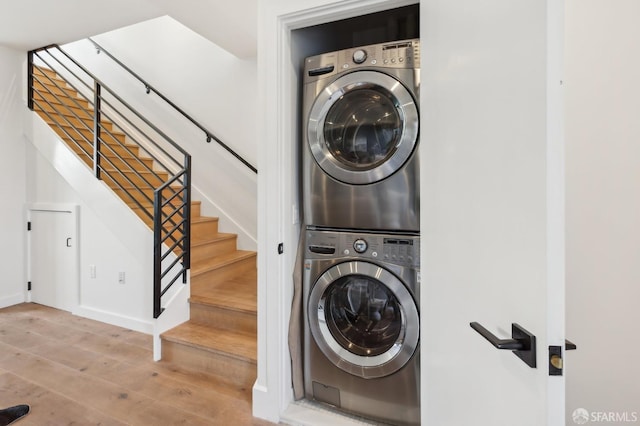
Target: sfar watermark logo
(582, 416)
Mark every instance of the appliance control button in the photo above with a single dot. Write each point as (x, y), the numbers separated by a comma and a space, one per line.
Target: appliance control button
(360, 245)
(401, 59)
(359, 56)
(374, 254)
(346, 252)
(373, 62)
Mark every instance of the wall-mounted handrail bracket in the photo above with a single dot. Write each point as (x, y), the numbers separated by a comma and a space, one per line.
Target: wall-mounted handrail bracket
(522, 342)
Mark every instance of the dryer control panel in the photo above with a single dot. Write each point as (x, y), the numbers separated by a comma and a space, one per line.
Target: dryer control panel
(397, 54)
(402, 250)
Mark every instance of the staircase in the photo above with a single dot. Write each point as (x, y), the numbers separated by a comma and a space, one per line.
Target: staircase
(219, 340)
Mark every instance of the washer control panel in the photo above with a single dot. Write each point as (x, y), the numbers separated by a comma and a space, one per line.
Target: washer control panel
(403, 250)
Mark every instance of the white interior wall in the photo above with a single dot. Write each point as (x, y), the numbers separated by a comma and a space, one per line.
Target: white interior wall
(102, 297)
(603, 206)
(216, 88)
(12, 180)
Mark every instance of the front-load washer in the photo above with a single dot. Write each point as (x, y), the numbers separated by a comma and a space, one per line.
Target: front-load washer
(361, 130)
(361, 330)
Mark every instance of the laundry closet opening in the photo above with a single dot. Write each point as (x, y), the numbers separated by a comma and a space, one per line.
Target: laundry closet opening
(400, 23)
(358, 180)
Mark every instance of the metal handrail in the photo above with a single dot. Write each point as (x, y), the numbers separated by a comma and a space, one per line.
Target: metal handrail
(171, 212)
(149, 88)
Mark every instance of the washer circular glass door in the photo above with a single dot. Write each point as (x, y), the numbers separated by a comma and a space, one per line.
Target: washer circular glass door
(363, 319)
(363, 127)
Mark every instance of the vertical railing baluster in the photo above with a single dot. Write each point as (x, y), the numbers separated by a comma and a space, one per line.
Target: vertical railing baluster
(30, 79)
(157, 252)
(97, 100)
(187, 217)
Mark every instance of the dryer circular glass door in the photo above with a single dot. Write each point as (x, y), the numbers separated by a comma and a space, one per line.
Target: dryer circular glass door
(364, 319)
(363, 127)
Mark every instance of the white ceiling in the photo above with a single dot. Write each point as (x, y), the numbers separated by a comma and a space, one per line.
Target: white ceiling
(29, 24)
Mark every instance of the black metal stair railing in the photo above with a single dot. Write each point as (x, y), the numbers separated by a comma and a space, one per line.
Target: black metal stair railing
(114, 140)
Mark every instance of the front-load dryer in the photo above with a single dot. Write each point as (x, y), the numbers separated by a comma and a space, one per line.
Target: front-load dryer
(361, 330)
(361, 132)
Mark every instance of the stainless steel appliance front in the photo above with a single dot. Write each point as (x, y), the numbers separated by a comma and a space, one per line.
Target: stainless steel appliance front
(361, 131)
(361, 331)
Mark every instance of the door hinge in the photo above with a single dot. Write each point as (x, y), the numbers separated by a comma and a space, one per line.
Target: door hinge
(28, 226)
(29, 285)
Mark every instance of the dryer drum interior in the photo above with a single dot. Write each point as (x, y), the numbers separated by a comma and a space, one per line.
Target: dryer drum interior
(363, 319)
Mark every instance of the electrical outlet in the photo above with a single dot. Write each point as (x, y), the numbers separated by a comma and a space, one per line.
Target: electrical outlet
(121, 277)
(92, 271)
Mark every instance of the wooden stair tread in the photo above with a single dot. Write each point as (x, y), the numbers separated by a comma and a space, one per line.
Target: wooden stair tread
(220, 261)
(235, 344)
(215, 238)
(202, 219)
(237, 294)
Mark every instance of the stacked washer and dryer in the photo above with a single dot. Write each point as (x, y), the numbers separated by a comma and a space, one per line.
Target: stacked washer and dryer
(361, 269)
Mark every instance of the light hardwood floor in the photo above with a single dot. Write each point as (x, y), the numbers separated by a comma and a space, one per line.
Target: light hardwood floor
(73, 370)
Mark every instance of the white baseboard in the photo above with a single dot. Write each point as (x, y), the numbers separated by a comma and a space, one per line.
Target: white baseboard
(264, 405)
(15, 299)
(135, 324)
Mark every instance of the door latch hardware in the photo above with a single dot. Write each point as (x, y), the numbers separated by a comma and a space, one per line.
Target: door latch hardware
(556, 363)
(522, 343)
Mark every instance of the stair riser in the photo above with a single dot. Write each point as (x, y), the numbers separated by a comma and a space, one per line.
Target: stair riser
(113, 139)
(196, 210)
(132, 179)
(110, 150)
(176, 236)
(84, 138)
(45, 86)
(109, 160)
(55, 110)
(201, 231)
(233, 371)
(46, 71)
(128, 163)
(224, 318)
(146, 197)
(85, 123)
(211, 278)
(217, 248)
(167, 210)
(58, 99)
